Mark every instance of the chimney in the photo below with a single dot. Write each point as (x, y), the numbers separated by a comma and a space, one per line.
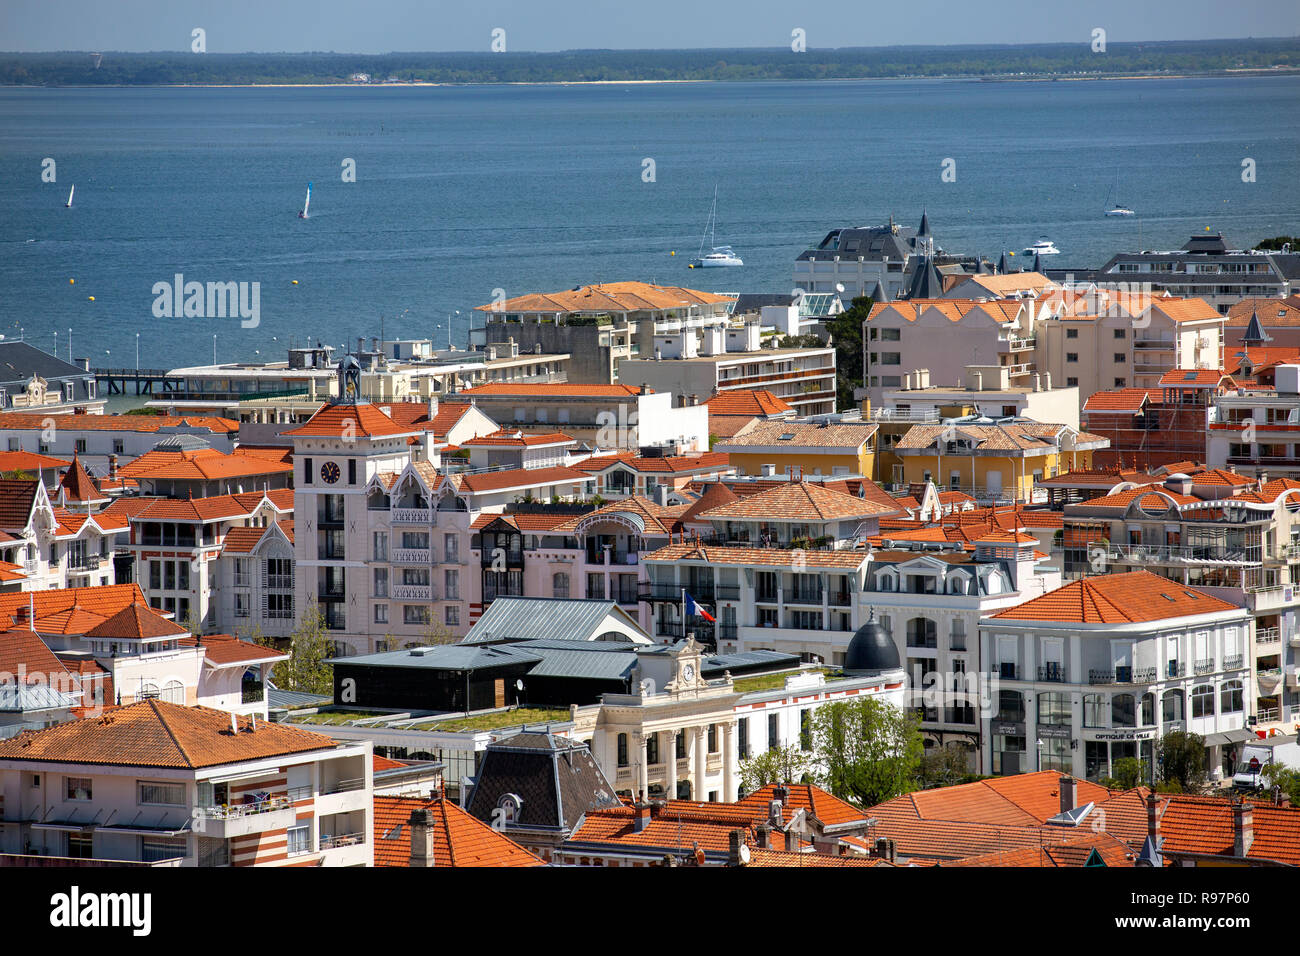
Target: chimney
(421, 824)
(1047, 381)
(1067, 788)
(643, 817)
(23, 616)
(1243, 828)
(735, 840)
(1153, 819)
(791, 841)
(112, 466)
(764, 836)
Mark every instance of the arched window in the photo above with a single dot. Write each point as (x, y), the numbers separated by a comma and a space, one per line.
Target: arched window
(1123, 711)
(1203, 701)
(1148, 710)
(921, 632)
(560, 584)
(1230, 699)
(1094, 710)
(174, 692)
(148, 690)
(1171, 706)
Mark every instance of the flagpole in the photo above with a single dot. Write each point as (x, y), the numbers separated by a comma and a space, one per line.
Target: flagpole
(683, 613)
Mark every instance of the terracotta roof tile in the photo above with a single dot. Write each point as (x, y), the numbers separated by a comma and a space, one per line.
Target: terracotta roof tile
(1117, 599)
(607, 297)
(362, 420)
(800, 501)
(549, 390)
(459, 840)
(747, 402)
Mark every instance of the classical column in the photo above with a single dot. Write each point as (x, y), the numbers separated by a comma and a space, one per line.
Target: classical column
(668, 754)
(698, 771)
(728, 764)
(642, 770)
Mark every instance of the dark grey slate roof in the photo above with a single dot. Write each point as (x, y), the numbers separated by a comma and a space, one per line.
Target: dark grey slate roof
(1206, 244)
(577, 661)
(445, 657)
(556, 779)
(879, 294)
(924, 231)
(1255, 330)
(873, 243)
(746, 661)
(753, 301)
(1003, 267)
(275, 697)
(926, 283)
(527, 618)
(19, 361)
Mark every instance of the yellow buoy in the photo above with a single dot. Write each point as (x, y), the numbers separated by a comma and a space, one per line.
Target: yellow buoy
(91, 298)
(70, 281)
(672, 253)
(295, 281)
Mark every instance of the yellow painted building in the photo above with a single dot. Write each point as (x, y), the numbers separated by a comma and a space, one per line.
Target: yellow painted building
(994, 461)
(803, 448)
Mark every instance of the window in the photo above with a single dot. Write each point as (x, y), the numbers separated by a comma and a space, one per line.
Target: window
(381, 545)
(805, 729)
(1071, 382)
(891, 358)
(680, 745)
(1120, 358)
(742, 737)
(652, 749)
(241, 605)
(76, 788)
(622, 750)
(1203, 701)
(596, 587)
(773, 731)
(352, 471)
(119, 446)
(1230, 698)
(1072, 356)
(80, 846)
(161, 794)
(381, 582)
(279, 606)
(153, 849)
(891, 335)
(451, 585)
(1120, 382)
(1071, 333)
(381, 613)
(415, 614)
(451, 615)
(713, 738)
(299, 840)
(1054, 708)
(559, 585)
(1095, 712)
(1119, 333)
(306, 471)
(81, 445)
(1123, 710)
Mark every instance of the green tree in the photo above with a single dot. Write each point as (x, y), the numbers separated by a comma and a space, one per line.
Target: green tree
(869, 750)
(1277, 242)
(778, 765)
(310, 646)
(1180, 759)
(1128, 774)
(18, 475)
(845, 331)
(1280, 775)
(943, 767)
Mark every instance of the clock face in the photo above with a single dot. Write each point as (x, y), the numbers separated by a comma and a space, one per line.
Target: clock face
(688, 672)
(329, 472)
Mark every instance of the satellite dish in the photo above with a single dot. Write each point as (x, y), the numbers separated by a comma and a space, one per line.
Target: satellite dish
(839, 287)
(519, 684)
(744, 853)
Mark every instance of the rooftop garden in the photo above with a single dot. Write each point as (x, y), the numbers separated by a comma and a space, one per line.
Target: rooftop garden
(497, 720)
(748, 685)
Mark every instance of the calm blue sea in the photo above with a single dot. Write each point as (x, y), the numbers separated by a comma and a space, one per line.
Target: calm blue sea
(463, 190)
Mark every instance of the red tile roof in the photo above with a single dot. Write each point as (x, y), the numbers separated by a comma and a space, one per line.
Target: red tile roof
(362, 420)
(24, 421)
(513, 438)
(607, 297)
(1194, 377)
(458, 838)
(23, 651)
(29, 462)
(205, 464)
(521, 478)
(226, 650)
(1117, 599)
(800, 501)
(749, 403)
(100, 602)
(215, 508)
(153, 733)
(550, 390)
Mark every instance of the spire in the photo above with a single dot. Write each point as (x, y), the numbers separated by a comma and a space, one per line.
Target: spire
(1255, 334)
(926, 283)
(924, 231)
(1037, 263)
(878, 294)
(1003, 268)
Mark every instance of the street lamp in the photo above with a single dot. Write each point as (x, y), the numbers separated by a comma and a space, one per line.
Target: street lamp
(137, 351)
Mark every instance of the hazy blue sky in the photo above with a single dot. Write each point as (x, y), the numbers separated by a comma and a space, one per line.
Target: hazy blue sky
(378, 26)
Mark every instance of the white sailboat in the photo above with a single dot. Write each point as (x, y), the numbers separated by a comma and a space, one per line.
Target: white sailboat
(720, 256)
(1119, 209)
(306, 203)
(68, 204)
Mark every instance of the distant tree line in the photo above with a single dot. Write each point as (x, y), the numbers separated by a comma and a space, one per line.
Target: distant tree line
(136, 69)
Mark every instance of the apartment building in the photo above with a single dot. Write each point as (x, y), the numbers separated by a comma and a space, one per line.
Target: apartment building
(253, 589)
(155, 781)
(793, 447)
(1236, 536)
(54, 547)
(879, 261)
(928, 597)
(1205, 267)
(1152, 427)
(1256, 429)
(651, 473)
(604, 416)
(176, 545)
(39, 382)
(185, 466)
(96, 439)
(1101, 668)
(993, 460)
(599, 325)
(779, 570)
(1274, 322)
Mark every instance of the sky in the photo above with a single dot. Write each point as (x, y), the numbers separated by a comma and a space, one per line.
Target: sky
(381, 26)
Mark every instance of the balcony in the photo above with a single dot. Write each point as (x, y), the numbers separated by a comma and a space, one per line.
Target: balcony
(330, 595)
(1165, 554)
(1268, 635)
(252, 692)
(800, 596)
(1054, 673)
(413, 556)
(85, 562)
(1122, 675)
(411, 516)
(839, 599)
(1269, 680)
(335, 841)
(1205, 666)
(622, 558)
(413, 592)
(1233, 662)
(1270, 598)
(234, 820)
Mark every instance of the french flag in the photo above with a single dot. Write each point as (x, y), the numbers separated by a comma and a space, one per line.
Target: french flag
(693, 609)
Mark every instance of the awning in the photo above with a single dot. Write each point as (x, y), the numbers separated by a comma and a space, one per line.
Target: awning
(1238, 736)
(148, 831)
(69, 827)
